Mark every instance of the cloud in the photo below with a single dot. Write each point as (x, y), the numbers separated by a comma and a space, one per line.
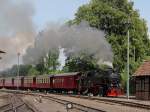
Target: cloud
(17, 30)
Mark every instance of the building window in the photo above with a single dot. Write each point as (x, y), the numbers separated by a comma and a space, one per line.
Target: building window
(142, 84)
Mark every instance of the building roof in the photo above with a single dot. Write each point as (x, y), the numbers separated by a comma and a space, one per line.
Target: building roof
(143, 70)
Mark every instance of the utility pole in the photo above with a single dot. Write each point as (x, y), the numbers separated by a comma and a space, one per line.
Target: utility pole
(128, 77)
(134, 53)
(18, 54)
(128, 58)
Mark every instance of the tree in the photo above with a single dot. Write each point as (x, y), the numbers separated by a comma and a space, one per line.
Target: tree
(24, 69)
(40, 66)
(51, 60)
(13, 71)
(82, 62)
(115, 17)
(33, 72)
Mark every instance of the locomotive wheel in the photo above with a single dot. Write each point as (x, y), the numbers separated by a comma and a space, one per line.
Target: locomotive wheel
(95, 92)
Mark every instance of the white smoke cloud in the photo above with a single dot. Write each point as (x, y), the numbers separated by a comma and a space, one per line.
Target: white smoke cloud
(16, 29)
(74, 39)
(17, 34)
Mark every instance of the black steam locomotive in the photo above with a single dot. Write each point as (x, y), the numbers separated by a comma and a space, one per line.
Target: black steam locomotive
(100, 82)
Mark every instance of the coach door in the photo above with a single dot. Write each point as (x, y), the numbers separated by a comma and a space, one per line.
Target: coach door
(3, 82)
(12, 81)
(22, 81)
(51, 82)
(34, 81)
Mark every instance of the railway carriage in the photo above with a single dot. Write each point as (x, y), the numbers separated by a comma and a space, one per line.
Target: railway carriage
(1, 82)
(66, 81)
(29, 82)
(95, 82)
(17, 82)
(8, 82)
(43, 82)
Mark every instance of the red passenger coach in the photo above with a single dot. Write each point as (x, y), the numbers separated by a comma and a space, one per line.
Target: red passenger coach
(8, 82)
(66, 81)
(29, 82)
(1, 82)
(17, 82)
(43, 82)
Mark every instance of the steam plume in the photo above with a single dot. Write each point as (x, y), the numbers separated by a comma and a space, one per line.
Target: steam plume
(16, 29)
(74, 39)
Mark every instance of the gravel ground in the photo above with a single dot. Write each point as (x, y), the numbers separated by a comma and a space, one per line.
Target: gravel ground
(128, 100)
(3, 99)
(51, 106)
(45, 105)
(108, 107)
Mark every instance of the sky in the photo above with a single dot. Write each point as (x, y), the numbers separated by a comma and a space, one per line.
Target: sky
(43, 13)
(59, 11)
(144, 9)
(48, 11)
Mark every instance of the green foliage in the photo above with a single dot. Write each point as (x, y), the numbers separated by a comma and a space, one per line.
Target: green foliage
(115, 17)
(147, 58)
(82, 62)
(24, 69)
(46, 65)
(13, 71)
(49, 63)
(51, 60)
(33, 72)
(104, 66)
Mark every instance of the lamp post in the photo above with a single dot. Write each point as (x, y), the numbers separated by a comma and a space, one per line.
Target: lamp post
(128, 68)
(18, 54)
(128, 58)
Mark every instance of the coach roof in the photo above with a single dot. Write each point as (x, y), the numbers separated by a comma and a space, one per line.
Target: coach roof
(67, 74)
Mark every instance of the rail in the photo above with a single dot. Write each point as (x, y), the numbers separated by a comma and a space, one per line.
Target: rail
(124, 103)
(16, 104)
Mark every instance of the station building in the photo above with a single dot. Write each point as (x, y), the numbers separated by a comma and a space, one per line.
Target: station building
(142, 79)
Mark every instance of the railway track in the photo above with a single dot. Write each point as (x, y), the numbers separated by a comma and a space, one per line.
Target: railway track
(124, 103)
(101, 100)
(81, 108)
(112, 101)
(75, 106)
(16, 104)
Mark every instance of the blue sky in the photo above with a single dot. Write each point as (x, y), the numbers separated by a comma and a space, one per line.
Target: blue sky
(55, 10)
(48, 11)
(144, 8)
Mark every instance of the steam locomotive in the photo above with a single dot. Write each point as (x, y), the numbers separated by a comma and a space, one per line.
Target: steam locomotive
(102, 82)
(96, 82)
